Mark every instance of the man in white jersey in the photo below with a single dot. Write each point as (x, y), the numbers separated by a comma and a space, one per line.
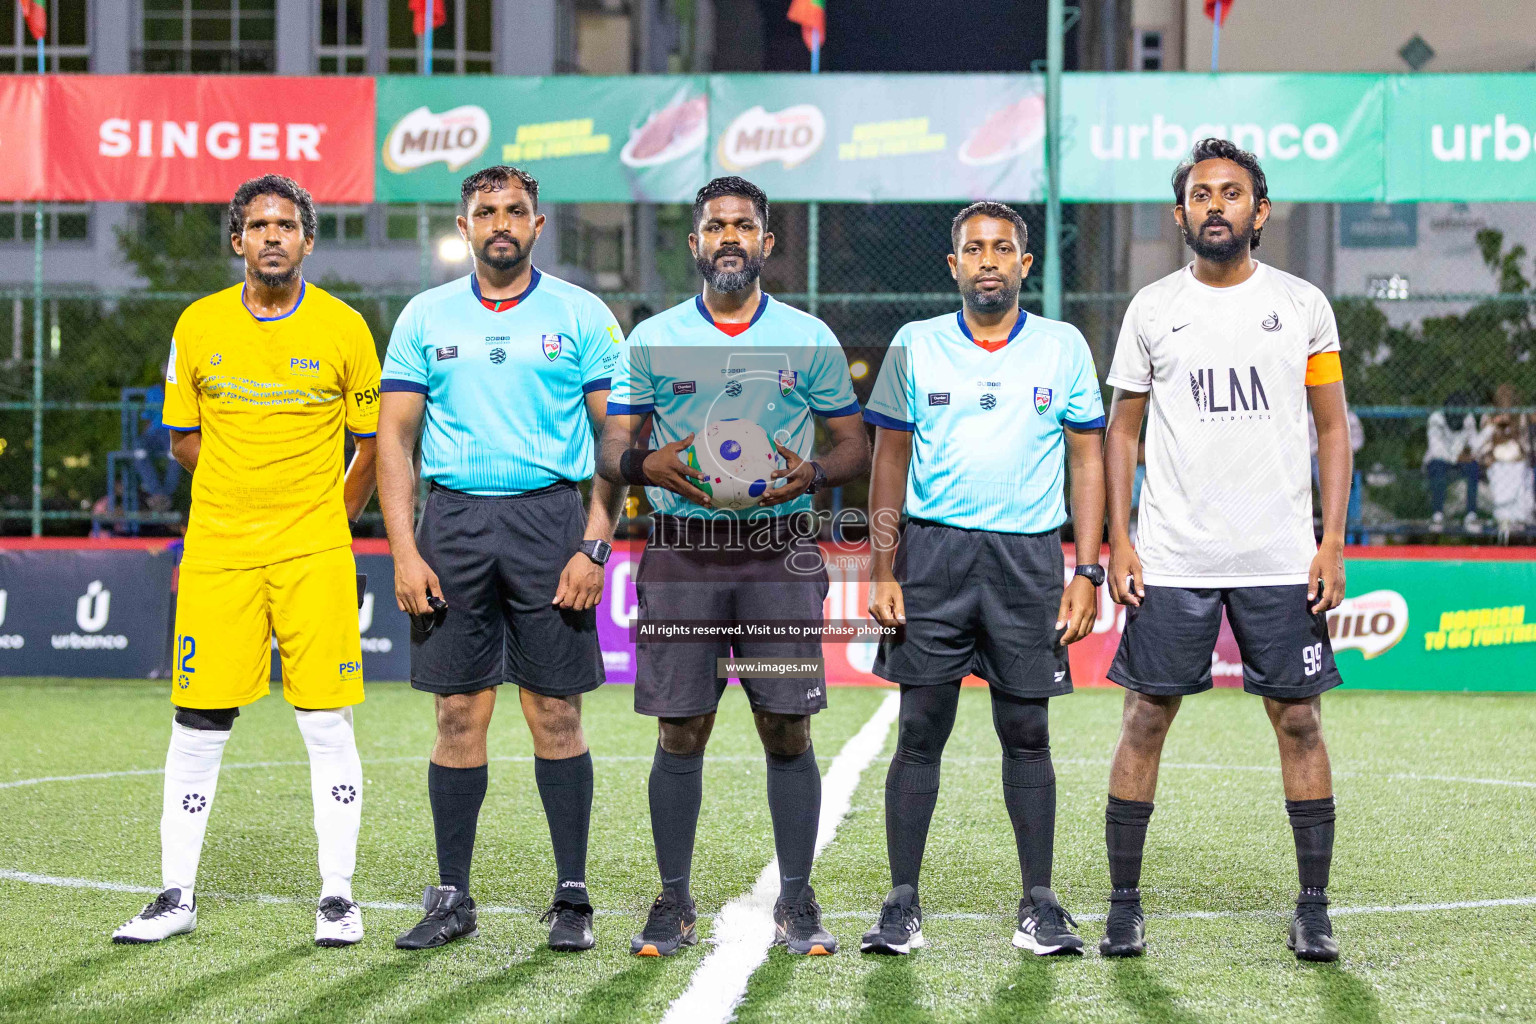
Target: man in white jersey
(1228, 353)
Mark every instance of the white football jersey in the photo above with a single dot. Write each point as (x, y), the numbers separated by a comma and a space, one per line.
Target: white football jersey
(1227, 499)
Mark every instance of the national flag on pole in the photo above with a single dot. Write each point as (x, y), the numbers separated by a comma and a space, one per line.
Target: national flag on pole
(1213, 6)
(811, 16)
(36, 14)
(419, 15)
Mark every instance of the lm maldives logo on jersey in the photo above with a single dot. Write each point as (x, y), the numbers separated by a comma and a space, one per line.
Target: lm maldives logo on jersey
(1228, 394)
(1042, 400)
(787, 379)
(1271, 322)
(1371, 623)
(551, 345)
(299, 367)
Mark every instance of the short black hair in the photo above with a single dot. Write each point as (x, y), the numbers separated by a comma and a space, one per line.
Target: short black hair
(732, 186)
(273, 185)
(1221, 149)
(987, 208)
(494, 179)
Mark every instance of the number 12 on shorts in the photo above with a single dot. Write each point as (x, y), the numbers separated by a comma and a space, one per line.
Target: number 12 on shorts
(1312, 658)
(186, 650)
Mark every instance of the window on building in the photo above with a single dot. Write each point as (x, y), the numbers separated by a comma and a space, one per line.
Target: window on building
(1149, 51)
(62, 222)
(400, 222)
(208, 36)
(342, 50)
(462, 45)
(342, 225)
(68, 46)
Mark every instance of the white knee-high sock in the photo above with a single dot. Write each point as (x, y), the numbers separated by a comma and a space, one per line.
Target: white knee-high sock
(336, 786)
(191, 776)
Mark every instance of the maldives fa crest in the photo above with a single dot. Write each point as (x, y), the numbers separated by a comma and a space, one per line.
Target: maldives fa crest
(787, 380)
(1042, 400)
(551, 343)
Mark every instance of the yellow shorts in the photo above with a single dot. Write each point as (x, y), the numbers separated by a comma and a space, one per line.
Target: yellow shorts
(226, 619)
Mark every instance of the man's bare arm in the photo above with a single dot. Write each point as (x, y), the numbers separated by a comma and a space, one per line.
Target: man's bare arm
(1335, 474)
(186, 445)
(1121, 442)
(400, 414)
(358, 487)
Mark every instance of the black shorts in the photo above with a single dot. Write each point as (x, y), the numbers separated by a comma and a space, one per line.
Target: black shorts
(1167, 644)
(739, 575)
(499, 561)
(979, 603)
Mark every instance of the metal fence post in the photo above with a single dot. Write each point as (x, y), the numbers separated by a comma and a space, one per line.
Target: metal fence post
(1054, 49)
(37, 352)
(812, 257)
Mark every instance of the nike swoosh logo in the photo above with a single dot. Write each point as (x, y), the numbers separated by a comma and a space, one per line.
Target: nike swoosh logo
(1179, 328)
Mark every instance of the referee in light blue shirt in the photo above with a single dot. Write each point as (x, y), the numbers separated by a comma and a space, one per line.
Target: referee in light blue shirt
(510, 369)
(972, 412)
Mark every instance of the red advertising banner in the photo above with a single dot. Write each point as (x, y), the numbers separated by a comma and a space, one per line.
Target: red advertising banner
(195, 138)
(21, 138)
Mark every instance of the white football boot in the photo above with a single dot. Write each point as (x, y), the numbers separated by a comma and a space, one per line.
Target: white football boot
(338, 922)
(161, 919)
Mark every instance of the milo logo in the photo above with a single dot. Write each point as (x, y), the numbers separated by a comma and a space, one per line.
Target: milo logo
(1371, 623)
(756, 137)
(421, 137)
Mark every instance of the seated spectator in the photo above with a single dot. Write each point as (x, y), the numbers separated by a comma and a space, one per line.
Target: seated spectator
(1504, 448)
(1451, 450)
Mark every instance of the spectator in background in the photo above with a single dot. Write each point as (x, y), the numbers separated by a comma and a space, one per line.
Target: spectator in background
(1357, 485)
(1504, 446)
(1451, 448)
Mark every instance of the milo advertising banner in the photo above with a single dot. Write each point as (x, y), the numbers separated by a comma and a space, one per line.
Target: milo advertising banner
(587, 139)
(1461, 138)
(1320, 137)
(877, 138)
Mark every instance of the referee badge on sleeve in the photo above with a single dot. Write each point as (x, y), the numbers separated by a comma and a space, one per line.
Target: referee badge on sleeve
(1042, 400)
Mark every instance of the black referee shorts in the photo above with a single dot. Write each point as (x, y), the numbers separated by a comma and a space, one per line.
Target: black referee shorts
(499, 561)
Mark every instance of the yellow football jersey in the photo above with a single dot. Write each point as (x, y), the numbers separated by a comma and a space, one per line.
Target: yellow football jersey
(272, 398)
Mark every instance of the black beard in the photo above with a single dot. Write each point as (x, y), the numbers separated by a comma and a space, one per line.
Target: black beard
(990, 302)
(1220, 252)
(278, 278)
(735, 280)
(502, 263)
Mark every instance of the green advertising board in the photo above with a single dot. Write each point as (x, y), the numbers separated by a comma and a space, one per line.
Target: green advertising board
(1319, 137)
(926, 137)
(587, 139)
(1437, 625)
(1461, 138)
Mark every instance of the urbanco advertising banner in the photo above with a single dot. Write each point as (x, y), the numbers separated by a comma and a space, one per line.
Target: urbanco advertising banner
(1320, 137)
(22, 160)
(1461, 138)
(881, 138)
(85, 613)
(195, 138)
(586, 139)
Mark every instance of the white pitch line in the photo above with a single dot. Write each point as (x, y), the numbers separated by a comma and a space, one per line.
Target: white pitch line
(743, 930)
(405, 759)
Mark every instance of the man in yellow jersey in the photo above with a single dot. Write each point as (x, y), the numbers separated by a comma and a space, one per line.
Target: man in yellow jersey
(262, 382)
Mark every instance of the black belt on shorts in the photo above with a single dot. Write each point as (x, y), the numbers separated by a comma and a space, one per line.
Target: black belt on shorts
(731, 533)
(929, 522)
(557, 486)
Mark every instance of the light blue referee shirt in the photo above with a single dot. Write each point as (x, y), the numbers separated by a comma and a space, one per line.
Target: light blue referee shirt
(688, 373)
(987, 447)
(506, 411)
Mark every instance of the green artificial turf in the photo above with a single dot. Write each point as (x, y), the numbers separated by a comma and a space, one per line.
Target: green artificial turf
(1219, 843)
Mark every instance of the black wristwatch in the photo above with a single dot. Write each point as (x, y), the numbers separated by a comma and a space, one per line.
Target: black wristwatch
(599, 550)
(818, 480)
(1094, 573)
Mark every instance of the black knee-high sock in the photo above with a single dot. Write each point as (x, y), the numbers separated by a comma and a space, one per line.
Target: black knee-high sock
(565, 787)
(676, 790)
(794, 803)
(1312, 826)
(912, 783)
(1125, 834)
(1029, 790)
(456, 795)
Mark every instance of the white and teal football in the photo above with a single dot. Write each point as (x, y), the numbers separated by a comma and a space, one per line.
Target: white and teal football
(738, 461)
